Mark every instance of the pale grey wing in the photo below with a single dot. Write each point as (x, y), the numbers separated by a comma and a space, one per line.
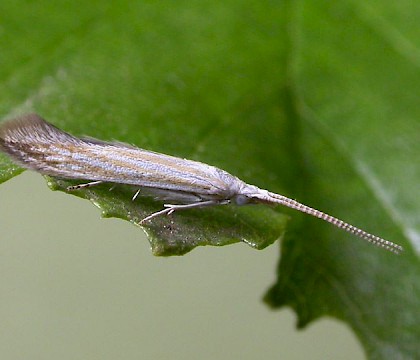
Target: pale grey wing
(38, 145)
(146, 168)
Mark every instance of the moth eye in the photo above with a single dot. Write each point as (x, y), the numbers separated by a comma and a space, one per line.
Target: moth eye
(241, 199)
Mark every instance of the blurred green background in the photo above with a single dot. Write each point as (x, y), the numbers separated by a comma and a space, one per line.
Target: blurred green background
(75, 286)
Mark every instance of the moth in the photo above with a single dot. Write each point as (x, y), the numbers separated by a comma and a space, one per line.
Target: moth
(38, 145)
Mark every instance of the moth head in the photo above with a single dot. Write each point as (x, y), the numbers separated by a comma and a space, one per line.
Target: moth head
(247, 194)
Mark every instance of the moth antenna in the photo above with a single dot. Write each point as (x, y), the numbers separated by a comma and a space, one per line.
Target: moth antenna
(293, 204)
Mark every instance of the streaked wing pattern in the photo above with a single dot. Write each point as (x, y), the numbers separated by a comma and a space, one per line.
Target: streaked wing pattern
(38, 145)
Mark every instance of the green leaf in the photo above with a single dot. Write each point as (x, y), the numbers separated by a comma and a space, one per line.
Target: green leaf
(178, 235)
(151, 81)
(354, 70)
(315, 100)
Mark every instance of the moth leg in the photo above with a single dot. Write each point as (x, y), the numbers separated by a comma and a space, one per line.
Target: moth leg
(82, 186)
(136, 194)
(169, 208)
(172, 208)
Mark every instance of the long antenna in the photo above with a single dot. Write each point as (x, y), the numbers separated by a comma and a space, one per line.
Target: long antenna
(293, 204)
